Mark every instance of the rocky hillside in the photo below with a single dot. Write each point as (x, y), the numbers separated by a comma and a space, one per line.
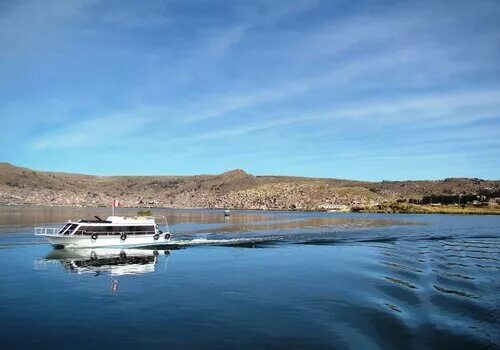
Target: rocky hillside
(233, 189)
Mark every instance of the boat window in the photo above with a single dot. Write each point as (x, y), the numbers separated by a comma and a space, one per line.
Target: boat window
(88, 230)
(71, 229)
(64, 228)
(150, 229)
(83, 230)
(146, 229)
(115, 230)
(138, 230)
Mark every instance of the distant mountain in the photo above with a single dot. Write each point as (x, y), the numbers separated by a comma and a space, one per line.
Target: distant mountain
(236, 189)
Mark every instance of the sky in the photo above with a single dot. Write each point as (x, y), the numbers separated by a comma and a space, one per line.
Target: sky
(367, 90)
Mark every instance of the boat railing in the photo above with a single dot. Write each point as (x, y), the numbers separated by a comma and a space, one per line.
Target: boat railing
(46, 230)
(166, 221)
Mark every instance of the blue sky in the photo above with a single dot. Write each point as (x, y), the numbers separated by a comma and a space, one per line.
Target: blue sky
(364, 90)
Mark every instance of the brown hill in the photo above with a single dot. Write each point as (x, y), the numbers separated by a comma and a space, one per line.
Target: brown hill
(233, 189)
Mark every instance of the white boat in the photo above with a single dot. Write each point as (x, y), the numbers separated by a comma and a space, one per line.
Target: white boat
(117, 231)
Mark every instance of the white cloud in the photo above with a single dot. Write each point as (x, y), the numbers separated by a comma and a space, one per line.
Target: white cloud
(424, 110)
(108, 131)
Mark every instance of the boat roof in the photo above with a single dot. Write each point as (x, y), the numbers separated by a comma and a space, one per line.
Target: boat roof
(149, 220)
(131, 220)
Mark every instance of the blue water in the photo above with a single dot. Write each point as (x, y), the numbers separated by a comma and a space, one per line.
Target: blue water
(256, 280)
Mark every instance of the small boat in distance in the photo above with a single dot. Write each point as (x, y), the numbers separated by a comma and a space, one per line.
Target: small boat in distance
(227, 212)
(114, 231)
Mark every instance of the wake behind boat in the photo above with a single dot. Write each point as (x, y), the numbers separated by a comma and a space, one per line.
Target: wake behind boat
(114, 231)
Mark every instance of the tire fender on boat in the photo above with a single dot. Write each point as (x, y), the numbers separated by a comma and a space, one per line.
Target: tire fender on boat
(123, 237)
(167, 235)
(94, 236)
(156, 236)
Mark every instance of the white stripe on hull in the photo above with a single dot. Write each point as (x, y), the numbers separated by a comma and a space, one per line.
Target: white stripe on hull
(105, 240)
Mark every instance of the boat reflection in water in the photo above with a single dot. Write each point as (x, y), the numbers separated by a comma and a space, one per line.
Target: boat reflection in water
(111, 261)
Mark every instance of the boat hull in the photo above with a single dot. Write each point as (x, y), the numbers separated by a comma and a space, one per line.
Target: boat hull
(105, 240)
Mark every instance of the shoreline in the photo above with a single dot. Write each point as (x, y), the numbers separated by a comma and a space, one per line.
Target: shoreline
(395, 209)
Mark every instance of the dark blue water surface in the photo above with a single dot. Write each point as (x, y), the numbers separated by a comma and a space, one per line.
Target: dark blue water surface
(256, 280)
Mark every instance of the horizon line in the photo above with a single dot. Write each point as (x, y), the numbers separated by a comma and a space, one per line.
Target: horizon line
(248, 173)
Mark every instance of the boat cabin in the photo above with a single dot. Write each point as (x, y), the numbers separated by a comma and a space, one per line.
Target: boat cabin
(113, 225)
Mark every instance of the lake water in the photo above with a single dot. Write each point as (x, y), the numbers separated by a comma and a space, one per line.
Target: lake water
(256, 280)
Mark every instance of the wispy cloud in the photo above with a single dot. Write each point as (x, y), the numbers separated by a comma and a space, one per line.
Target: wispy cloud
(444, 109)
(380, 70)
(95, 133)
